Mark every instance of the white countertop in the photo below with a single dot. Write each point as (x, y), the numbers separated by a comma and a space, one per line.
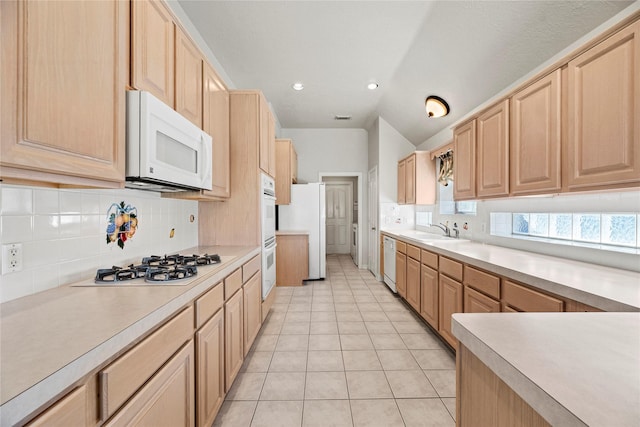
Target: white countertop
(572, 368)
(607, 288)
(52, 340)
(292, 233)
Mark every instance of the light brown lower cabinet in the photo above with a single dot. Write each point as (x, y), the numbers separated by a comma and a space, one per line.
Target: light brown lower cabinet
(233, 338)
(401, 274)
(475, 302)
(483, 399)
(450, 302)
(413, 283)
(252, 314)
(292, 259)
(210, 369)
(429, 295)
(167, 399)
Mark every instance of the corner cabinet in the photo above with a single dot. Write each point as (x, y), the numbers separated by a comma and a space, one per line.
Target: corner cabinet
(464, 162)
(64, 122)
(286, 170)
(603, 149)
(492, 151)
(535, 137)
(417, 179)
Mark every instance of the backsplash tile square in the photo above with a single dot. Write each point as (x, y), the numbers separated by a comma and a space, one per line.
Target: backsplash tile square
(63, 233)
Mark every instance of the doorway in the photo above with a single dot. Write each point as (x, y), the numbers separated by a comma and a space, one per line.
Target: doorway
(350, 234)
(373, 222)
(339, 216)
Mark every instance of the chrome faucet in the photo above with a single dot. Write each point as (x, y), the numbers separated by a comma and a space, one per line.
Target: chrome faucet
(447, 230)
(456, 230)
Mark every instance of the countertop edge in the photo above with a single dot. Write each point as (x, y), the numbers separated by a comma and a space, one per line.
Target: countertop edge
(62, 381)
(561, 289)
(549, 408)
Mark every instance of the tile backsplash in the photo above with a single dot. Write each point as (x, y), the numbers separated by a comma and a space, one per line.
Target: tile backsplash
(63, 233)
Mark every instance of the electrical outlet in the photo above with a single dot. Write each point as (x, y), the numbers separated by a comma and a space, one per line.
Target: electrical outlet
(483, 227)
(11, 258)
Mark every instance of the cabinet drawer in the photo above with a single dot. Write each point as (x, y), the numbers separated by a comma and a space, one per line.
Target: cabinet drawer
(401, 247)
(451, 268)
(475, 302)
(124, 376)
(481, 281)
(232, 283)
(413, 252)
(250, 268)
(429, 259)
(71, 410)
(526, 299)
(209, 303)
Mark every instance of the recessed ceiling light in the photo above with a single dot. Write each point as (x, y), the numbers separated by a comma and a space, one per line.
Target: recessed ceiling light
(297, 86)
(372, 86)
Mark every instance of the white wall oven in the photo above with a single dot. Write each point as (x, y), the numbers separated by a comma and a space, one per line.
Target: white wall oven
(268, 210)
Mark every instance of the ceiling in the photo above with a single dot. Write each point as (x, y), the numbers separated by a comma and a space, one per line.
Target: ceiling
(463, 51)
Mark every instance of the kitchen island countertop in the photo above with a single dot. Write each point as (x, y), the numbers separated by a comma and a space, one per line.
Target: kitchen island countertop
(572, 368)
(54, 339)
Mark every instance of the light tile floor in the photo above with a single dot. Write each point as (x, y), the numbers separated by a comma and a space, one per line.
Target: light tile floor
(343, 352)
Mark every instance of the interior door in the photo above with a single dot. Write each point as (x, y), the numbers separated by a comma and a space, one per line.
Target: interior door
(373, 222)
(338, 208)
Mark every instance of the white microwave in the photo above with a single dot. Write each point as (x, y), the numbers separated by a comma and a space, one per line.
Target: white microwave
(165, 151)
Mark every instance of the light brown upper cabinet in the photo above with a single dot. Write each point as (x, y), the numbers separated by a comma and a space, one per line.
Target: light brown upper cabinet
(215, 122)
(286, 170)
(464, 161)
(417, 179)
(63, 122)
(535, 137)
(603, 147)
(492, 177)
(153, 49)
(188, 79)
(402, 191)
(267, 140)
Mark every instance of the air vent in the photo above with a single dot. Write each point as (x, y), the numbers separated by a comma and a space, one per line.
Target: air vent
(336, 117)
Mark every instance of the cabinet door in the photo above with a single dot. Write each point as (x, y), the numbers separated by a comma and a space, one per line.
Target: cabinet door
(63, 91)
(152, 49)
(283, 171)
(604, 107)
(210, 369)
(410, 180)
(493, 151)
(475, 302)
(294, 164)
(523, 298)
(401, 274)
(215, 116)
(167, 399)
(252, 315)
(464, 161)
(402, 183)
(188, 79)
(272, 145)
(450, 302)
(233, 341)
(535, 137)
(413, 283)
(264, 135)
(429, 295)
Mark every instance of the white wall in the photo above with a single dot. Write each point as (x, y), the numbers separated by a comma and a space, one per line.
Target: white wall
(328, 150)
(63, 233)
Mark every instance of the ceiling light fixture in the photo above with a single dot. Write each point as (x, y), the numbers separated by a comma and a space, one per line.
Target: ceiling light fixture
(436, 106)
(372, 86)
(297, 86)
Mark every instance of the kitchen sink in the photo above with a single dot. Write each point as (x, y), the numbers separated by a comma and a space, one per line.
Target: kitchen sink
(426, 237)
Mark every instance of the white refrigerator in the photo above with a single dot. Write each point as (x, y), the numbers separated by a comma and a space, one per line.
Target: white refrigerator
(307, 213)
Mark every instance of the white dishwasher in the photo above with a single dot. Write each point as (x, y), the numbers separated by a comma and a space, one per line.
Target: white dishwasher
(390, 262)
